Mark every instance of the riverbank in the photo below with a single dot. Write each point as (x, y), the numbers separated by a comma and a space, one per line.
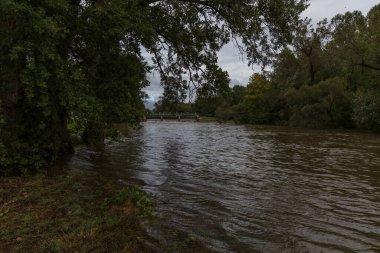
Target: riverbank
(76, 213)
(284, 126)
(66, 214)
(207, 119)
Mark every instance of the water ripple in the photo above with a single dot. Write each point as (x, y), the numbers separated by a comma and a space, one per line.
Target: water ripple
(256, 189)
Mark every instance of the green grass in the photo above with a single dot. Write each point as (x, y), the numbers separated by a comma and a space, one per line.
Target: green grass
(68, 214)
(79, 213)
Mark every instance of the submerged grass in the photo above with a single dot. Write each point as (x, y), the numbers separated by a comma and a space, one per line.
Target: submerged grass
(78, 213)
(67, 213)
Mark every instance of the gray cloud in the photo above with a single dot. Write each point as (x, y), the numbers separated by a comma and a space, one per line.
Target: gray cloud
(320, 9)
(154, 90)
(235, 64)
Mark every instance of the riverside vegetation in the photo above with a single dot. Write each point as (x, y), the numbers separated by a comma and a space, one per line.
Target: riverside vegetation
(65, 214)
(328, 77)
(79, 212)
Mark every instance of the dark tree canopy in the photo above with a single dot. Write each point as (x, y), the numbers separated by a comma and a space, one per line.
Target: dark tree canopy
(184, 36)
(68, 63)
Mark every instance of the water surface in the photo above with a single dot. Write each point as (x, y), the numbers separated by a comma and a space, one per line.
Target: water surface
(254, 188)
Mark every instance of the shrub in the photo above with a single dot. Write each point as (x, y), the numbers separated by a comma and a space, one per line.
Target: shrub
(367, 109)
(326, 104)
(224, 113)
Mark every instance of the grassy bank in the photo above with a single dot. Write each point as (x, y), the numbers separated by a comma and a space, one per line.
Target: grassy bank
(75, 213)
(68, 213)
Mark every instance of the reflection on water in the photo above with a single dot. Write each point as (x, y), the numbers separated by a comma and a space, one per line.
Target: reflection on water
(255, 189)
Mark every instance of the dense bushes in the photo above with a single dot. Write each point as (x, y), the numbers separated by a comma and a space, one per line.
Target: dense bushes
(3, 154)
(367, 109)
(326, 104)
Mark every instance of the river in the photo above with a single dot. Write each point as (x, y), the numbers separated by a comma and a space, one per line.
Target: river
(254, 188)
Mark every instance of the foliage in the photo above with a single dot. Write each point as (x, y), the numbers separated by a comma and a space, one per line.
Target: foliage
(65, 214)
(326, 104)
(213, 94)
(367, 109)
(256, 98)
(34, 77)
(85, 63)
(327, 78)
(142, 200)
(224, 113)
(3, 155)
(71, 213)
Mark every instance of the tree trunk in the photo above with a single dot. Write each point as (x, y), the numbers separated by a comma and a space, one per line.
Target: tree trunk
(312, 72)
(93, 134)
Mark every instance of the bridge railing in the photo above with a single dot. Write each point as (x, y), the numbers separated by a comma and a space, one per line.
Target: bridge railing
(178, 116)
(175, 113)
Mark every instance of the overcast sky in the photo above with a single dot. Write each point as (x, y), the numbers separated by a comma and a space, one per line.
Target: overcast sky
(230, 59)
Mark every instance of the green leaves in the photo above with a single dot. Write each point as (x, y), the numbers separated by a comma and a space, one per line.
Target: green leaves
(140, 200)
(83, 60)
(367, 109)
(326, 104)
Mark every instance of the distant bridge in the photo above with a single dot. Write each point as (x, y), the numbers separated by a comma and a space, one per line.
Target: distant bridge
(173, 116)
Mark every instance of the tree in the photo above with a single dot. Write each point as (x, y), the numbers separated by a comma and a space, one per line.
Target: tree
(84, 59)
(35, 76)
(355, 38)
(373, 18)
(326, 104)
(213, 93)
(367, 109)
(282, 75)
(308, 44)
(328, 77)
(257, 102)
(237, 94)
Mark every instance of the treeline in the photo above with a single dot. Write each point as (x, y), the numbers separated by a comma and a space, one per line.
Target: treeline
(329, 77)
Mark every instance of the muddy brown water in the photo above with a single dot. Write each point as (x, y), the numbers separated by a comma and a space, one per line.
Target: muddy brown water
(254, 188)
